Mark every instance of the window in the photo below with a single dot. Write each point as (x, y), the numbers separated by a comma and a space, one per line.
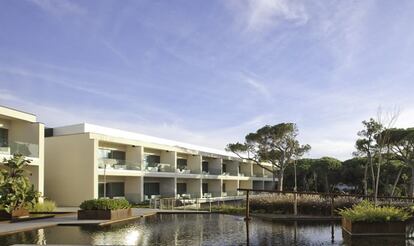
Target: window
(224, 168)
(113, 189)
(181, 164)
(181, 188)
(224, 187)
(205, 166)
(151, 189)
(4, 137)
(111, 154)
(152, 160)
(204, 188)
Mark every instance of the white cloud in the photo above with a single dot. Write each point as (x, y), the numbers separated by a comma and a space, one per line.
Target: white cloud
(59, 7)
(258, 86)
(261, 15)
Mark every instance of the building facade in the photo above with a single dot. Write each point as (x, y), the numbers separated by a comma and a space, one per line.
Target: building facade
(21, 133)
(86, 161)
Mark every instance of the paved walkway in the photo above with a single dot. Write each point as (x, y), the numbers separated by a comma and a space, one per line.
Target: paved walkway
(69, 217)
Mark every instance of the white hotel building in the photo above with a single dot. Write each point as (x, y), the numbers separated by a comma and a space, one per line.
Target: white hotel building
(86, 161)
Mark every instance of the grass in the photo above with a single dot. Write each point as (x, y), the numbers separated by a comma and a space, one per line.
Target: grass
(45, 206)
(228, 209)
(366, 211)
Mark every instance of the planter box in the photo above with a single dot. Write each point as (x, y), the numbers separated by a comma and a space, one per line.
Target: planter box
(17, 213)
(389, 228)
(104, 214)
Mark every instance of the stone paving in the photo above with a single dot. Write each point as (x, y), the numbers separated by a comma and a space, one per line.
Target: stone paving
(66, 219)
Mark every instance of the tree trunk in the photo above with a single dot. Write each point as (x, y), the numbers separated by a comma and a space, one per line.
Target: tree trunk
(273, 177)
(326, 183)
(377, 179)
(365, 181)
(305, 183)
(411, 190)
(315, 181)
(372, 172)
(396, 181)
(280, 183)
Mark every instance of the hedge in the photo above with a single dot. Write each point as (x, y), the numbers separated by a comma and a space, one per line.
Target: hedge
(105, 204)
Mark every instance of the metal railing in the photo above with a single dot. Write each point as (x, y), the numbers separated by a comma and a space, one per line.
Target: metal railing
(330, 196)
(23, 148)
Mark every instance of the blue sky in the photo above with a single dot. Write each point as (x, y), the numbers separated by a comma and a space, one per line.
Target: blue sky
(208, 72)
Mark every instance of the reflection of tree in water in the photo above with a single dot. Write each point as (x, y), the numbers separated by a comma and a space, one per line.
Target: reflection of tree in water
(28, 237)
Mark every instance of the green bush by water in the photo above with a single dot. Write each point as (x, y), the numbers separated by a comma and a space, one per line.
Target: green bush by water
(45, 206)
(105, 204)
(228, 209)
(366, 211)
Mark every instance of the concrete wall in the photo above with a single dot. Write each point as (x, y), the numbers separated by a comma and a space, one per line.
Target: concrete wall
(231, 187)
(193, 186)
(257, 170)
(214, 186)
(246, 168)
(194, 163)
(134, 189)
(168, 187)
(169, 157)
(71, 169)
(135, 154)
(232, 167)
(245, 184)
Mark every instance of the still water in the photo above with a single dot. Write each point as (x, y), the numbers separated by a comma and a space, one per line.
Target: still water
(190, 229)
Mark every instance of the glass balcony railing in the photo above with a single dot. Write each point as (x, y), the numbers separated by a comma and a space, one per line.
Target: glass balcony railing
(212, 171)
(160, 167)
(23, 148)
(108, 163)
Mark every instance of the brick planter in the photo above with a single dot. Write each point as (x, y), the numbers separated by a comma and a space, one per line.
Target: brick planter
(17, 213)
(389, 228)
(116, 214)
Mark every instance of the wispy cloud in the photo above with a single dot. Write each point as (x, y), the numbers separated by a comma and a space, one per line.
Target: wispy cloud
(118, 53)
(261, 15)
(59, 7)
(258, 86)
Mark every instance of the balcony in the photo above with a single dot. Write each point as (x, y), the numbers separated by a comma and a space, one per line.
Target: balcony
(116, 164)
(16, 147)
(159, 167)
(212, 171)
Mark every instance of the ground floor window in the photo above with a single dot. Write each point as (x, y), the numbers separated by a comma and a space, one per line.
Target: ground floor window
(151, 189)
(113, 189)
(224, 187)
(181, 188)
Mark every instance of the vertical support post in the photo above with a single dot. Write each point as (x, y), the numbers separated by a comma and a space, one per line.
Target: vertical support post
(295, 204)
(210, 203)
(247, 206)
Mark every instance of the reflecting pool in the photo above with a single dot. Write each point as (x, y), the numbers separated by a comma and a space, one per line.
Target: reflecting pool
(189, 229)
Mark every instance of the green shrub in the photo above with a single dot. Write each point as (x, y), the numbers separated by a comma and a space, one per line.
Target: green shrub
(366, 211)
(45, 206)
(228, 209)
(104, 204)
